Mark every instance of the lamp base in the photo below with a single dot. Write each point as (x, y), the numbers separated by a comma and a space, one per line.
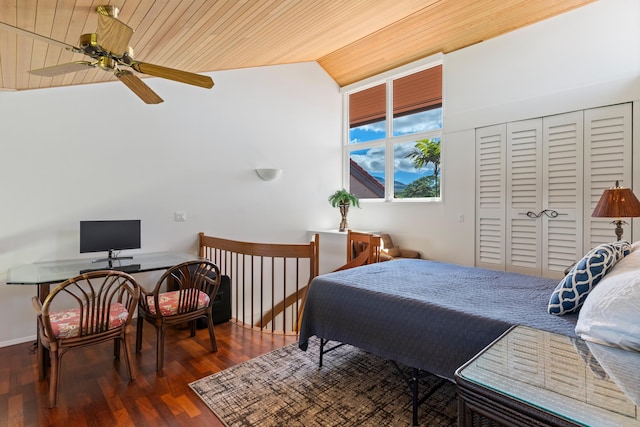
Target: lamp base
(619, 230)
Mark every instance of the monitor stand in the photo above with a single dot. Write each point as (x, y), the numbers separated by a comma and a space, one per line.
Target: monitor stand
(111, 258)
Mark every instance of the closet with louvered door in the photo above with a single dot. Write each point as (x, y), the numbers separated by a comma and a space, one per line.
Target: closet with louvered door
(563, 192)
(607, 153)
(523, 195)
(544, 194)
(537, 182)
(490, 201)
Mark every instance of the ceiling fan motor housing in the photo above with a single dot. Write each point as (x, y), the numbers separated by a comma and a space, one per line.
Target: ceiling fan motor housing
(88, 43)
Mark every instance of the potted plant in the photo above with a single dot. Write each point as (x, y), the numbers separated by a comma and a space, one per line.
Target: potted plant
(343, 199)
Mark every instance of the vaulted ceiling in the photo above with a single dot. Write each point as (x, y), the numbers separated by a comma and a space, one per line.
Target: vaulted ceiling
(350, 39)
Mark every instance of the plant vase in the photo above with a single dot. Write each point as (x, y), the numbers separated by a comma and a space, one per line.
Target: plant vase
(344, 210)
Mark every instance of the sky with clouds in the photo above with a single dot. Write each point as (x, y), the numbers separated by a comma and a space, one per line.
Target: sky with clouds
(372, 159)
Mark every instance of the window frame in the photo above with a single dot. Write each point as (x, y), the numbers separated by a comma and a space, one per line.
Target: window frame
(389, 141)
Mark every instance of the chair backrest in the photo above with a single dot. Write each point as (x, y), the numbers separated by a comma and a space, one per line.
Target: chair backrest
(362, 249)
(90, 303)
(189, 279)
(359, 243)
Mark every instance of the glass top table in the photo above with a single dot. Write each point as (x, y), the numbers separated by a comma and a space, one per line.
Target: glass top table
(51, 272)
(567, 378)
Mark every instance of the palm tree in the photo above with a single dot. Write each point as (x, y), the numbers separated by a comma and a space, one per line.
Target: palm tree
(426, 151)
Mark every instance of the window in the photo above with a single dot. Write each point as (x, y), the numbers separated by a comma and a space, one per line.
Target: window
(393, 145)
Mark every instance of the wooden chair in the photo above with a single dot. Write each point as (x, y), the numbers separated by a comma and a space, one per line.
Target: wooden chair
(184, 293)
(362, 249)
(85, 310)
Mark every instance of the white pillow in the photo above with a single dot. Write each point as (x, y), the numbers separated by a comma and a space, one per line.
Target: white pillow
(622, 368)
(611, 313)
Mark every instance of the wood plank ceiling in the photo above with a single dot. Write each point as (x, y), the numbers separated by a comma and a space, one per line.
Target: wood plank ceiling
(350, 39)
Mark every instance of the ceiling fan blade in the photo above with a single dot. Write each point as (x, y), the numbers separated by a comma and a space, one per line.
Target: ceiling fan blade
(173, 74)
(56, 70)
(113, 35)
(26, 33)
(138, 87)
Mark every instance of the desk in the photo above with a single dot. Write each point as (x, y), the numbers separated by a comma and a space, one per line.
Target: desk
(45, 274)
(536, 378)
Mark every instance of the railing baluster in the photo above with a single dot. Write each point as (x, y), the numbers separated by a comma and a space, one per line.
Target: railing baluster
(284, 292)
(244, 263)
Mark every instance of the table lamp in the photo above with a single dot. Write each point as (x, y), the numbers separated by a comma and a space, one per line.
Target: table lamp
(617, 202)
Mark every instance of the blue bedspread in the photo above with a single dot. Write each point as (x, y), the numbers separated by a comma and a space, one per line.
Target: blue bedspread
(425, 314)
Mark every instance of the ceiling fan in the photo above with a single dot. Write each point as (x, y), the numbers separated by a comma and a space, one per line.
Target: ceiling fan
(109, 50)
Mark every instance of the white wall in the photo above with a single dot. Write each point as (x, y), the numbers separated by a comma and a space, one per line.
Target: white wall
(97, 152)
(585, 58)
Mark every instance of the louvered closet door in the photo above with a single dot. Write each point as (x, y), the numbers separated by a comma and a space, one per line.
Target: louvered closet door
(490, 201)
(607, 145)
(524, 196)
(562, 192)
(548, 180)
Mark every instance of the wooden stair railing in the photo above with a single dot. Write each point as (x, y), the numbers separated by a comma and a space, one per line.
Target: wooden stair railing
(269, 281)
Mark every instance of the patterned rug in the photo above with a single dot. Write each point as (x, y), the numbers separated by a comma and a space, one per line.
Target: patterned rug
(353, 388)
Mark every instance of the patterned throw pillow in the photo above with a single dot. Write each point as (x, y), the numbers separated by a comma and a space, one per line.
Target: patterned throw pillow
(576, 285)
(623, 248)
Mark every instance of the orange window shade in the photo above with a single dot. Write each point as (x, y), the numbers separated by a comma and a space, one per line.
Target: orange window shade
(367, 106)
(418, 92)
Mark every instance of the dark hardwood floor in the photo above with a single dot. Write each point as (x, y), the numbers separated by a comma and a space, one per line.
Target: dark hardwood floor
(95, 391)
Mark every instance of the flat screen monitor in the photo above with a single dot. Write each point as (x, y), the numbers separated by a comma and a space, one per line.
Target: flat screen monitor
(110, 235)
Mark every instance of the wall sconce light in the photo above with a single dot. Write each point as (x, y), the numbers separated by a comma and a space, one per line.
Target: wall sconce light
(617, 202)
(268, 174)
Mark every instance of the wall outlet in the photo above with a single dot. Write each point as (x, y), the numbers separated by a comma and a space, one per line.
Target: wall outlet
(180, 216)
(460, 217)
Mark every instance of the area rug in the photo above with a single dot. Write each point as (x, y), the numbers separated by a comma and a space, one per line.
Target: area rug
(353, 388)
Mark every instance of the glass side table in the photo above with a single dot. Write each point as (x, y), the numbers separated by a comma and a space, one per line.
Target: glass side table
(529, 377)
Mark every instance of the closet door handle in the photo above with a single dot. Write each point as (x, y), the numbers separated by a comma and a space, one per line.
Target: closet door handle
(550, 213)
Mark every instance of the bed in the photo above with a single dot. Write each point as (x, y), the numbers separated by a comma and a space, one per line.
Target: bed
(427, 315)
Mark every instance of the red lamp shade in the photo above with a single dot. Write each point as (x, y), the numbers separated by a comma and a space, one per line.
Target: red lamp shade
(617, 202)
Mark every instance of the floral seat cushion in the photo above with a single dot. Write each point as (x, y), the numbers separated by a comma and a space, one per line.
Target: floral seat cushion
(169, 302)
(66, 323)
